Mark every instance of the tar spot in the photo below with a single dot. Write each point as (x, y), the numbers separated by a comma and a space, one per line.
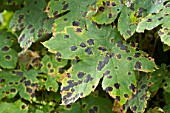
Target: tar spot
(95, 108)
(134, 108)
(65, 7)
(129, 58)
(129, 32)
(101, 9)
(58, 54)
(129, 73)
(83, 45)
(5, 48)
(7, 57)
(32, 31)
(84, 14)
(90, 41)
(119, 56)
(137, 55)
(113, 4)
(118, 98)
(75, 23)
(66, 36)
(80, 74)
(108, 89)
(160, 18)
(88, 78)
(106, 73)
(27, 83)
(110, 15)
(88, 51)
(126, 95)
(21, 38)
(51, 70)
(79, 30)
(149, 20)
(33, 95)
(68, 106)
(61, 70)
(102, 48)
(29, 90)
(73, 48)
(13, 90)
(138, 65)
(116, 85)
(132, 87)
(23, 106)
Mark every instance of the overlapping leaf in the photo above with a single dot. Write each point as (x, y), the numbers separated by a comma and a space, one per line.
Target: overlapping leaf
(33, 21)
(8, 56)
(100, 53)
(76, 13)
(17, 81)
(153, 20)
(16, 107)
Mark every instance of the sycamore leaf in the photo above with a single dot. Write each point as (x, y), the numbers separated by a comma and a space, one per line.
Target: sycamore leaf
(33, 21)
(17, 81)
(75, 13)
(16, 107)
(100, 52)
(8, 56)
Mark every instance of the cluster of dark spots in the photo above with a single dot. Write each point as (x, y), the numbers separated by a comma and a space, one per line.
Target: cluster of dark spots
(90, 41)
(34, 85)
(138, 65)
(5, 48)
(119, 56)
(27, 83)
(118, 98)
(71, 99)
(107, 89)
(29, 90)
(80, 74)
(76, 23)
(58, 54)
(71, 84)
(73, 48)
(7, 57)
(21, 38)
(103, 49)
(129, 32)
(79, 30)
(149, 20)
(88, 78)
(65, 7)
(132, 87)
(117, 85)
(101, 9)
(55, 13)
(88, 51)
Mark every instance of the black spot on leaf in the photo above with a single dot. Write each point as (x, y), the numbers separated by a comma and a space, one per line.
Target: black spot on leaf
(129, 73)
(21, 38)
(65, 7)
(102, 48)
(132, 87)
(137, 55)
(29, 90)
(160, 18)
(101, 9)
(73, 48)
(110, 15)
(119, 56)
(27, 83)
(129, 32)
(108, 89)
(106, 73)
(5, 48)
(32, 31)
(138, 65)
(7, 57)
(95, 108)
(75, 23)
(134, 108)
(79, 30)
(90, 41)
(88, 78)
(143, 86)
(129, 58)
(80, 74)
(126, 95)
(58, 54)
(118, 98)
(13, 90)
(117, 86)
(100, 65)
(113, 4)
(88, 51)
(91, 111)
(149, 20)
(23, 106)
(32, 95)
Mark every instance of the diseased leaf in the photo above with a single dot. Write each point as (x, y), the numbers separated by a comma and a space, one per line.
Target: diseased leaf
(16, 107)
(100, 54)
(138, 102)
(33, 21)
(17, 81)
(12, 2)
(8, 56)
(68, 13)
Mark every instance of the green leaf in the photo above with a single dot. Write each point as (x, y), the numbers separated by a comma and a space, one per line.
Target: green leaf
(107, 12)
(32, 21)
(16, 107)
(138, 102)
(101, 54)
(17, 81)
(68, 13)
(12, 2)
(8, 56)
